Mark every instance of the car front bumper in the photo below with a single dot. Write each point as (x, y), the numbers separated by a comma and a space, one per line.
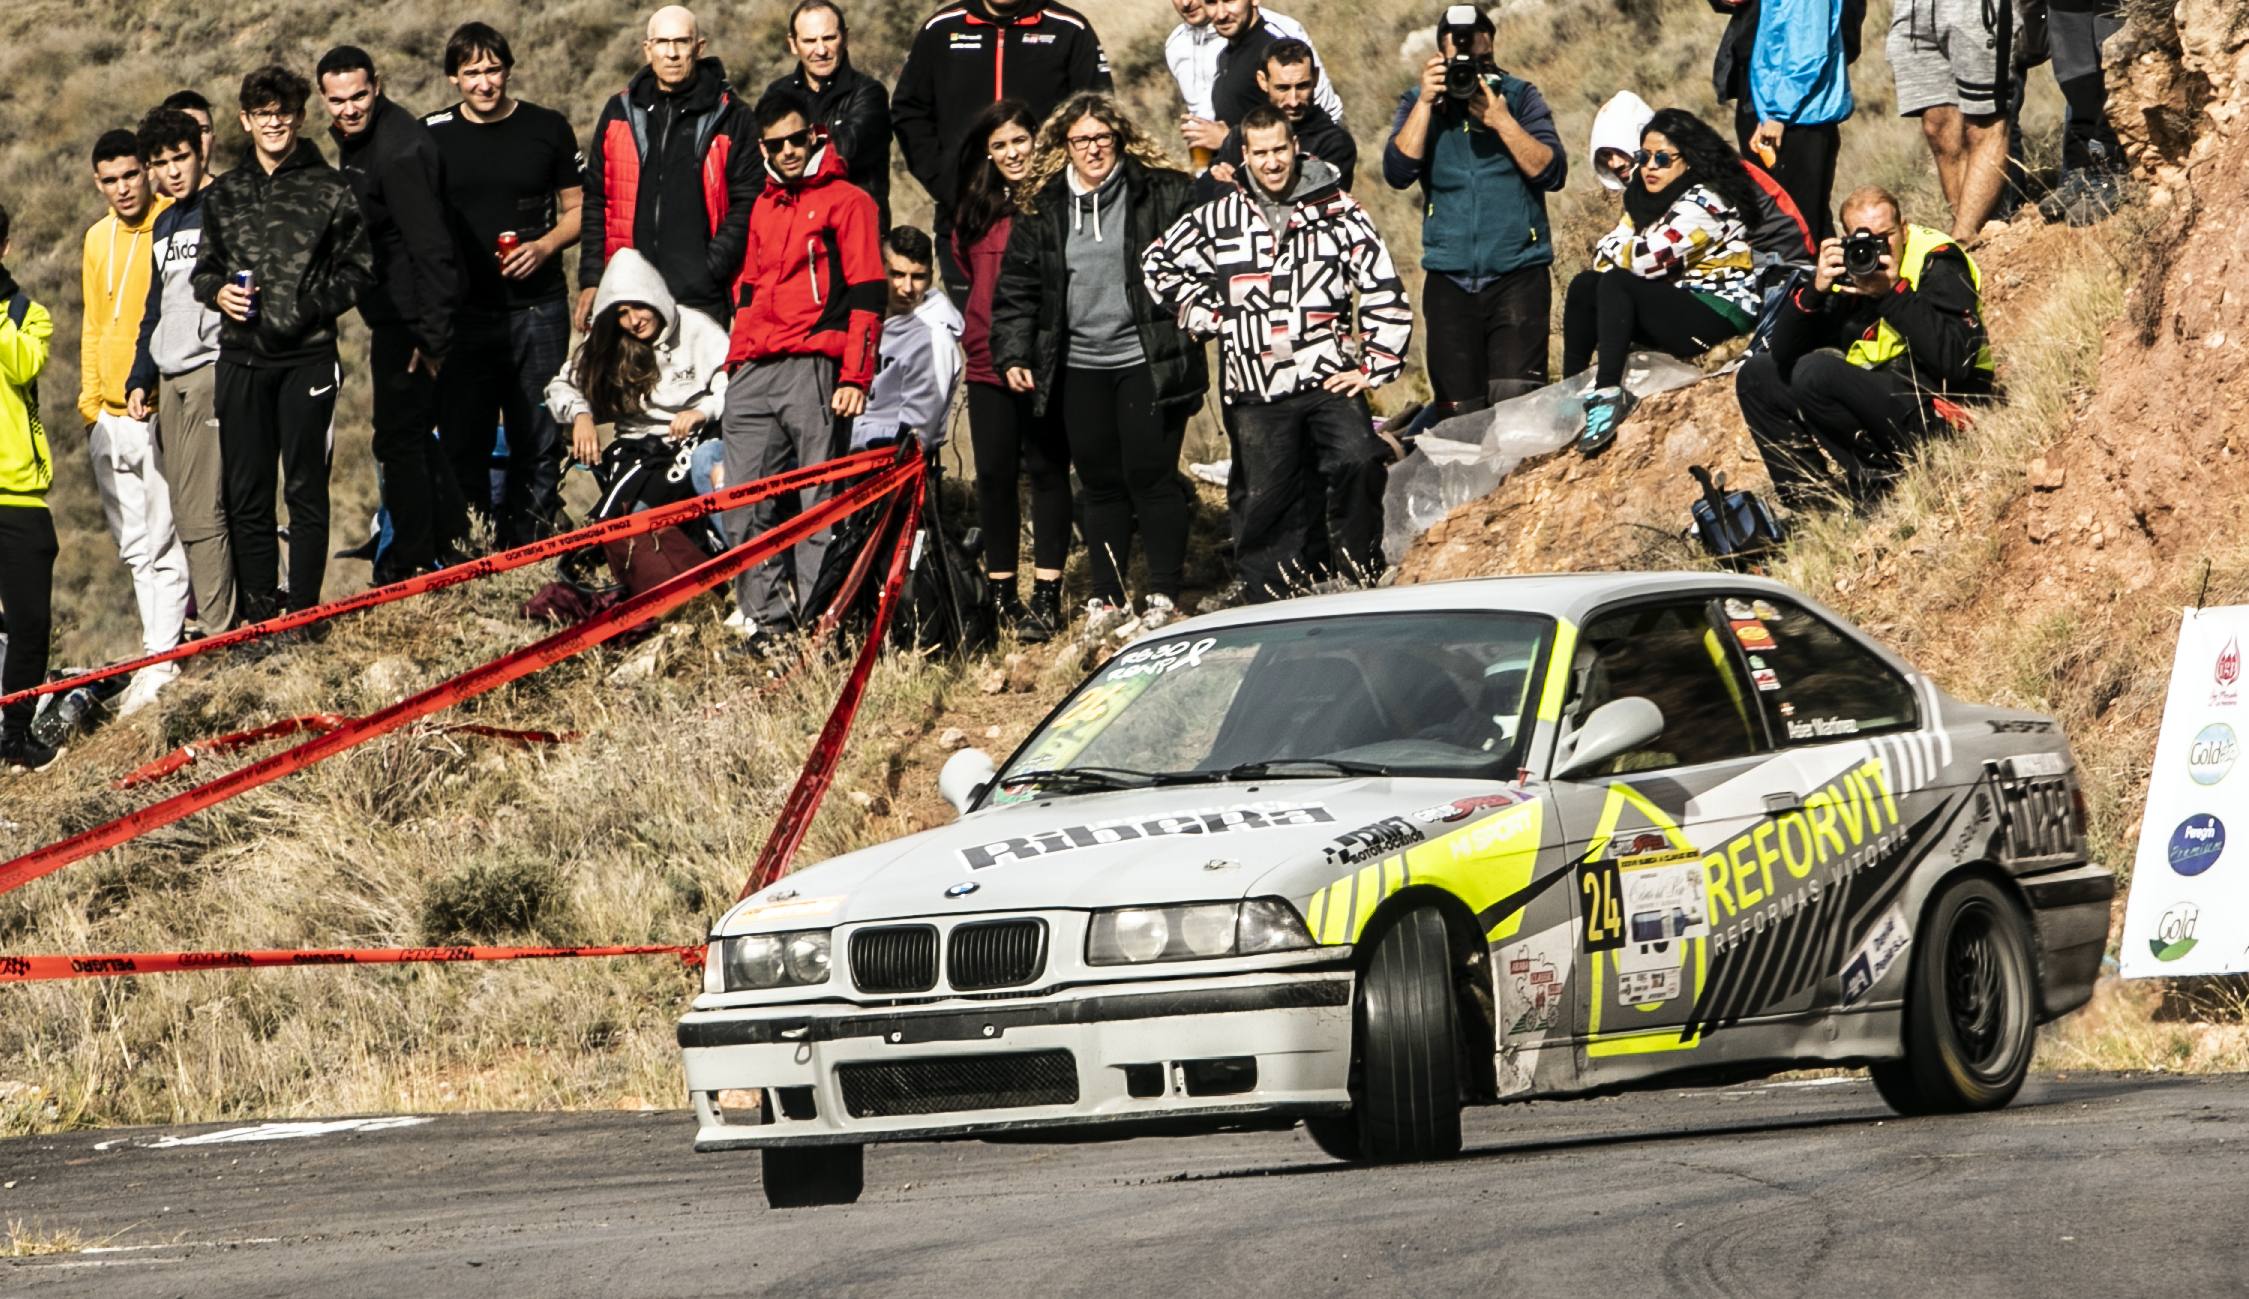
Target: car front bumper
(1205, 1052)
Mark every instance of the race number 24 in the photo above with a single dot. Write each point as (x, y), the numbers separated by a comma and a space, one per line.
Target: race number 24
(1600, 894)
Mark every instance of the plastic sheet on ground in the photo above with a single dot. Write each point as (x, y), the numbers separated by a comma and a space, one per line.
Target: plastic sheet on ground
(1467, 456)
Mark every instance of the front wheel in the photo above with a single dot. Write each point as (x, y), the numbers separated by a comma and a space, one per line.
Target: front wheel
(1970, 1013)
(802, 1177)
(1405, 1097)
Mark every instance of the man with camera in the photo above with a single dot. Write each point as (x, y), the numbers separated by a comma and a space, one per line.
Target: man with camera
(1481, 144)
(1892, 320)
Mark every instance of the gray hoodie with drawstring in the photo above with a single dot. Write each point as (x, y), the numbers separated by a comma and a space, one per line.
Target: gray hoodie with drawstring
(1101, 333)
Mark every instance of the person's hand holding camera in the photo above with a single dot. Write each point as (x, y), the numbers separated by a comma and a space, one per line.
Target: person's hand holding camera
(1433, 79)
(1863, 264)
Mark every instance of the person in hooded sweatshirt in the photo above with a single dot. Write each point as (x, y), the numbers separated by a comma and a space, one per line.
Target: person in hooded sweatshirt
(671, 170)
(1075, 328)
(918, 366)
(808, 320)
(1296, 358)
(648, 367)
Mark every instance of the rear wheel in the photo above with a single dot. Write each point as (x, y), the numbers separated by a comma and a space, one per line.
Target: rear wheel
(1970, 1012)
(1405, 1097)
(801, 1177)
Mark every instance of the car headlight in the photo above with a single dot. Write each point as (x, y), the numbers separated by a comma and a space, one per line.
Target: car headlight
(1194, 931)
(758, 961)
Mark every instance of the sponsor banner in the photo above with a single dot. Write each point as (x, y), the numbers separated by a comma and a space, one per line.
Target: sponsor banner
(2188, 912)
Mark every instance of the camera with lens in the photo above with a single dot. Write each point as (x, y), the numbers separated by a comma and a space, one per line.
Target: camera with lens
(1863, 252)
(1464, 68)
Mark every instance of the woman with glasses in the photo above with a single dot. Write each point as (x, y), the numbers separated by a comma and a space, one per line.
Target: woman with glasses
(1075, 330)
(1009, 441)
(1677, 273)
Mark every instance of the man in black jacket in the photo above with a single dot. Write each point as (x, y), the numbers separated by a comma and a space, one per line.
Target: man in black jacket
(852, 105)
(671, 173)
(394, 167)
(972, 54)
(1858, 360)
(1288, 80)
(290, 222)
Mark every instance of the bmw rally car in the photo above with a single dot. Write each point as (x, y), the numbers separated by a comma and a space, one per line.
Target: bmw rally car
(1359, 860)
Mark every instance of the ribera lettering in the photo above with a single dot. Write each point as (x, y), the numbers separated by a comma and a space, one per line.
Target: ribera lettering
(1223, 820)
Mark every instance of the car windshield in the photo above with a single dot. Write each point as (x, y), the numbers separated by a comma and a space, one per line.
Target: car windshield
(1422, 694)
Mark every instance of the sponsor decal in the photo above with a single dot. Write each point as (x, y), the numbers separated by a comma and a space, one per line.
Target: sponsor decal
(1843, 827)
(1533, 983)
(1753, 636)
(1875, 956)
(1764, 609)
(1787, 709)
(2227, 673)
(1756, 660)
(1387, 835)
(1664, 910)
(1740, 609)
(2210, 756)
(1037, 38)
(787, 906)
(2197, 843)
(1818, 728)
(1647, 987)
(1600, 896)
(1486, 835)
(1460, 809)
(967, 41)
(1766, 678)
(1156, 660)
(2038, 727)
(1638, 842)
(2174, 931)
(1218, 820)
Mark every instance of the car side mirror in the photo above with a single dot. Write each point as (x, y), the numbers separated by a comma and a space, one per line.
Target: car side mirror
(964, 776)
(1618, 726)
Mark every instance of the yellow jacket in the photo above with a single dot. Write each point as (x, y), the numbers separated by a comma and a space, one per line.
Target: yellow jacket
(114, 273)
(26, 465)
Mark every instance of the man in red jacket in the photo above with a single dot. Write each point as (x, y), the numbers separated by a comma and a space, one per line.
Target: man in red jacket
(807, 312)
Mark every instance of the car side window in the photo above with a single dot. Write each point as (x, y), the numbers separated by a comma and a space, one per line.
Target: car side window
(1671, 655)
(1815, 684)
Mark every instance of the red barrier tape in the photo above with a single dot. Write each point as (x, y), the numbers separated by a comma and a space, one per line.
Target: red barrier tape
(629, 525)
(36, 969)
(652, 603)
(820, 768)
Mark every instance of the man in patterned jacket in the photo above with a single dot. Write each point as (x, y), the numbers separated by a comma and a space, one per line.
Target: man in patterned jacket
(1271, 267)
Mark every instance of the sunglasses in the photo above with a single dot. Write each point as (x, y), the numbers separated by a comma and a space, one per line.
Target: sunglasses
(1658, 159)
(794, 140)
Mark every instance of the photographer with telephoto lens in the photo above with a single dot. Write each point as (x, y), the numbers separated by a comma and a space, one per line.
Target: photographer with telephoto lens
(1892, 320)
(1482, 146)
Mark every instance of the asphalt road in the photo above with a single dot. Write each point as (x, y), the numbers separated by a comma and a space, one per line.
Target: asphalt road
(2088, 1185)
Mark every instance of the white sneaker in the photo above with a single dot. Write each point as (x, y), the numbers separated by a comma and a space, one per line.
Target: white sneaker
(1102, 617)
(1157, 611)
(146, 682)
(741, 624)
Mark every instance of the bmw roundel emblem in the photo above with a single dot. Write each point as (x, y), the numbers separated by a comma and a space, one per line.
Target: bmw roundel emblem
(963, 889)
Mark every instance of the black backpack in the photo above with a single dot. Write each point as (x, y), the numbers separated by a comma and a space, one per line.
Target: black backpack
(945, 602)
(1736, 527)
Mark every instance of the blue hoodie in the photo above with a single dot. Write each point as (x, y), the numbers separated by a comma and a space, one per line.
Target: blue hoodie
(1797, 73)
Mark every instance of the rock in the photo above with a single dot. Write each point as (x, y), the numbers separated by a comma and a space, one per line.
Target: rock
(1022, 674)
(872, 804)
(952, 737)
(991, 732)
(387, 678)
(639, 666)
(2045, 477)
(992, 682)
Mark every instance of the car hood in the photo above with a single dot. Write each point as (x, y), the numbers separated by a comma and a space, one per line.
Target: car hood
(1117, 848)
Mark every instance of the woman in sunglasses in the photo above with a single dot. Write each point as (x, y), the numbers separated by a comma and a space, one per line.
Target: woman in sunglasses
(1074, 328)
(1677, 273)
(1009, 441)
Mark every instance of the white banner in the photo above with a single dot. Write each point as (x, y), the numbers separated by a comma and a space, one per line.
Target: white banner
(2188, 912)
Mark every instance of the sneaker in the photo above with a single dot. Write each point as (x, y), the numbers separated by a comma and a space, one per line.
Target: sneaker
(146, 682)
(1233, 593)
(1605, 410)
(1103, 617)
(1157, 611)
(20, 752)
(2056, 205)
(2096, 200)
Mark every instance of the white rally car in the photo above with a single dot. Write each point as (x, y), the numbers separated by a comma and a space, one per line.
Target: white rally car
(1359, 860)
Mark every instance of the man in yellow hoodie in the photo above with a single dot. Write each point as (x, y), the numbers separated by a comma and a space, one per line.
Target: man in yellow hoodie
(128, 465)
(27, 534)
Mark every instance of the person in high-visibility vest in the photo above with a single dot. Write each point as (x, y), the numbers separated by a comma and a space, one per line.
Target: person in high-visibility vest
(1848, 385)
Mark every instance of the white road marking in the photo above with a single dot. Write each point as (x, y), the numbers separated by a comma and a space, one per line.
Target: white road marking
(269, 1132)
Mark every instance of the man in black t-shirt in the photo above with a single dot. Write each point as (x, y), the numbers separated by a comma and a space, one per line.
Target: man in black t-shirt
(513, 188)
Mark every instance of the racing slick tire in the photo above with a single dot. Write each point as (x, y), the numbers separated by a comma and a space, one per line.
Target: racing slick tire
(1406, 1101)
(1970, 1008)
(802, 1177)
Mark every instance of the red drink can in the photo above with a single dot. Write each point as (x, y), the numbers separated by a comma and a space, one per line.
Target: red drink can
(507, 241)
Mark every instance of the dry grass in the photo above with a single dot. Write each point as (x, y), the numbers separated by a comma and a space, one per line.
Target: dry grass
(33, 1241)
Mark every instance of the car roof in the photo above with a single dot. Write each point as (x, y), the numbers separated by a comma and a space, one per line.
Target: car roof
(1572, 596)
